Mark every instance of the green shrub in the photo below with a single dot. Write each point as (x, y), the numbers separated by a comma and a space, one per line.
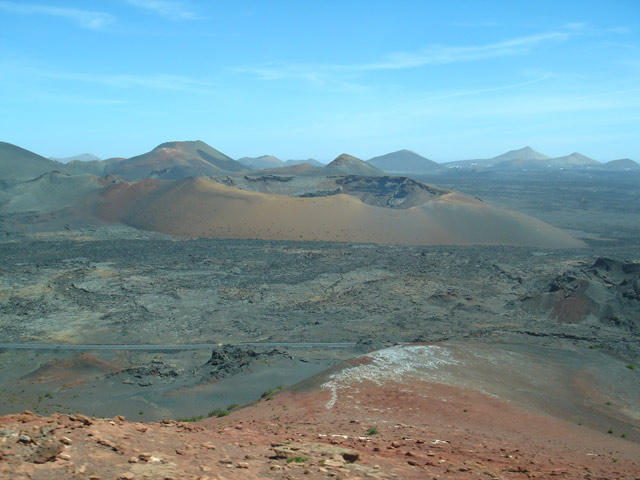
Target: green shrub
(218, 413)
(372, 431)
(297, 459)
(268, 393)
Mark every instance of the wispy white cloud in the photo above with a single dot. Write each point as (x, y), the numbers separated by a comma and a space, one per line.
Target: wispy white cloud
(85, 18)
(433, 55)
(159, 81)
(440, 54)
(174, 10)
(482, 91)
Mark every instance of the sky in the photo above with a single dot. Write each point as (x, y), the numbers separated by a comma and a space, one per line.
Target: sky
(313, 79)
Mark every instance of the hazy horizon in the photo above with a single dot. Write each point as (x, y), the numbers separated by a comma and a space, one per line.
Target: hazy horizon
(451, 81)
(327, 161)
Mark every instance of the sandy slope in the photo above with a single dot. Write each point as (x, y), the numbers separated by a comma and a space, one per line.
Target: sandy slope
(378, 417)
(202, 208)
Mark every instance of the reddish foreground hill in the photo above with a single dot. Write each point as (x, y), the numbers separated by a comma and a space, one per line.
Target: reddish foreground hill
(384, 415)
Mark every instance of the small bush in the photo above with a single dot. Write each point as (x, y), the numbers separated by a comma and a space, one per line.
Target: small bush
(218, 413)
(631, 366)
(297, 459)
(268, 393)
(372, 431)
(233, 406)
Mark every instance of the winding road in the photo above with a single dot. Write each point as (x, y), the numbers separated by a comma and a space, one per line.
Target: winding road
(193, 346)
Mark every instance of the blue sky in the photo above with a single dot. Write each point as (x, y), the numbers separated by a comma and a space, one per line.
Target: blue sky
(449, 80)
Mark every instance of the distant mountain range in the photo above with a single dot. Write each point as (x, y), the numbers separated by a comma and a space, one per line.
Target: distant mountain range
(177, 160)
(83, 157)
(528, 159)
(269, 161)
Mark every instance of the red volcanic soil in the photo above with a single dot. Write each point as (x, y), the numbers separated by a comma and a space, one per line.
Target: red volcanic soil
(356, 428)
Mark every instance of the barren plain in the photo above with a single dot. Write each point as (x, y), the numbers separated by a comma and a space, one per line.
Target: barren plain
(555, 332)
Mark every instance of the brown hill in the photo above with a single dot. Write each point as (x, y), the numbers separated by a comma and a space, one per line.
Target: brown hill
(176, 160)
(348, 165)
(621, 164)
(201, 207)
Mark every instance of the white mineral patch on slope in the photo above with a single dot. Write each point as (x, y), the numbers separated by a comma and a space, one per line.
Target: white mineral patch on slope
(390, 364)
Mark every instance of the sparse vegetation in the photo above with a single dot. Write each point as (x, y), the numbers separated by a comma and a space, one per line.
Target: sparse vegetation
(611, 431)
(631, 366)
(218, 412)
(267, 394)
(297, 460)
(372, 431)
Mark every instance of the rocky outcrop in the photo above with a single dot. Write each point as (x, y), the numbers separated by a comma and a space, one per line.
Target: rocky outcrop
(608, 292)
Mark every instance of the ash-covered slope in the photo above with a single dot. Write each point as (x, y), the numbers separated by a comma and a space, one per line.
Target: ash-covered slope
(201, 207)
(50, 192)
(384, 191)
(18, 164)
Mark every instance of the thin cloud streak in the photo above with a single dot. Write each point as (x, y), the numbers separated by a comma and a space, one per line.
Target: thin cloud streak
(91, 20)
(478, 91)
(166, 8)
(158, 81)
(436, 54)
